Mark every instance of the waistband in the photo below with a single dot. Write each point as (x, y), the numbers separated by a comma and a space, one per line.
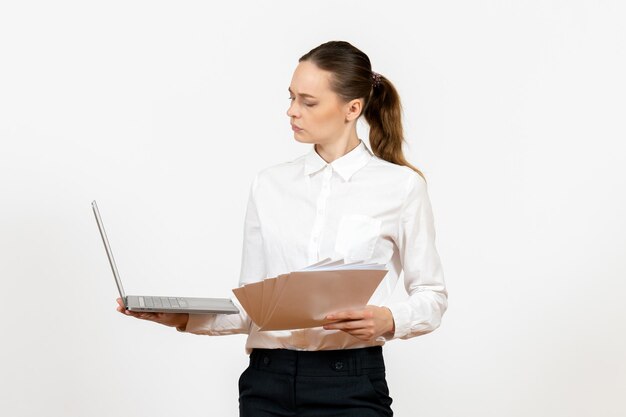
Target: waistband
(346, 362)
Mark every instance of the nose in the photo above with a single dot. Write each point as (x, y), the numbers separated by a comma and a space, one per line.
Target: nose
(292, 110)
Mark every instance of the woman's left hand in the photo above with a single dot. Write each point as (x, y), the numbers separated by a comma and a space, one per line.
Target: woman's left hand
(366, 324)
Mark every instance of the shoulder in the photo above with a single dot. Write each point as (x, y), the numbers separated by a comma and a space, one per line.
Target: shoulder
(279, 171)
(282, 167)
(405, 177)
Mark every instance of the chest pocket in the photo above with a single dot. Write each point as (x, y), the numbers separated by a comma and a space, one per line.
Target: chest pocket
(356, 237)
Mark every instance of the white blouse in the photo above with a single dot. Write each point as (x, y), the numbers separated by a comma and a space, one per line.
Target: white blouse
(359, 207)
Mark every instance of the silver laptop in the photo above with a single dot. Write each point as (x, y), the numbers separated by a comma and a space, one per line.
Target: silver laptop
(162, 304)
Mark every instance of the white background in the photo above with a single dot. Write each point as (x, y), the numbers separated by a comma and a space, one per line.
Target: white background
(164, 111)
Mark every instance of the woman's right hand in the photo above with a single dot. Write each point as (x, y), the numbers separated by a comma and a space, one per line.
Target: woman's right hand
(178, 320)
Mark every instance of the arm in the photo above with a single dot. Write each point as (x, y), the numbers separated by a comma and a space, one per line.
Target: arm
(252, 269)
(423, 279)
(421, 313)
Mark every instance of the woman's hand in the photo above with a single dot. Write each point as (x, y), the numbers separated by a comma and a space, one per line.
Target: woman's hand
(366, 324)
(178, 320)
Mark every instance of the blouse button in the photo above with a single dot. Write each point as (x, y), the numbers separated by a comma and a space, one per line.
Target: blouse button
(338, 365)
(266, 360)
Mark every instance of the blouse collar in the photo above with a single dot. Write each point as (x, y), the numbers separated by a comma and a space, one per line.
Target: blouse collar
(346, 165)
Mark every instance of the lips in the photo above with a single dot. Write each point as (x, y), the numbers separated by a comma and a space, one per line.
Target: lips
(296, 128)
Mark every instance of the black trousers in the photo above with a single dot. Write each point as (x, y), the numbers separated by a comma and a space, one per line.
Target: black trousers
(338, 383)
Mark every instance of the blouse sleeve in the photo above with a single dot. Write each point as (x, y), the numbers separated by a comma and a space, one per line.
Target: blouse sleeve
(421, 313)
(252, 269)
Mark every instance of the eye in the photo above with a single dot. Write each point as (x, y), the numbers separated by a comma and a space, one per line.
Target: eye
(306, 104)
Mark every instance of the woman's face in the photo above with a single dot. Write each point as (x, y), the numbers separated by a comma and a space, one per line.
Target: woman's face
(317, 114)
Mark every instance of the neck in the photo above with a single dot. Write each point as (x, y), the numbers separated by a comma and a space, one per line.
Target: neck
(334, 150)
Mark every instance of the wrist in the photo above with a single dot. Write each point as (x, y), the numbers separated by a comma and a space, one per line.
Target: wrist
(391, 329)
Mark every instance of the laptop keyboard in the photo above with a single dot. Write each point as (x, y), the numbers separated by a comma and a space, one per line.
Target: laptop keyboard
(168, 302)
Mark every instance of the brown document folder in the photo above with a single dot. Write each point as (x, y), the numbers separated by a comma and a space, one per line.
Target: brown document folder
(302, 299)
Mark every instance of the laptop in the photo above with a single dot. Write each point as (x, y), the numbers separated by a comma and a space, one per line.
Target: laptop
(162, 304)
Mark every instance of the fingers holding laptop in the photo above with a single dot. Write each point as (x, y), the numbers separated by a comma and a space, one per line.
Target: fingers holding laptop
(167, 319)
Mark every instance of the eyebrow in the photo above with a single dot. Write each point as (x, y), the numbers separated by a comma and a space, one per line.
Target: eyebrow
(301, 94)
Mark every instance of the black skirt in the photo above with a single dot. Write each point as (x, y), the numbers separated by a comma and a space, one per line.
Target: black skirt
(338, 383)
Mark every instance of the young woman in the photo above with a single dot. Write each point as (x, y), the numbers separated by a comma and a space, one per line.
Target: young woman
(339, 200)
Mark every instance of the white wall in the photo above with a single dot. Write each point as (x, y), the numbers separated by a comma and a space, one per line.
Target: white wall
(513, 110)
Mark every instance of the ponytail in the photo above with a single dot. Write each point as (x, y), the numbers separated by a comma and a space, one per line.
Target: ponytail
(383, 113)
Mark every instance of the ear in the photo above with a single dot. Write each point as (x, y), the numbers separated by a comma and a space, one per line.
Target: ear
(353, 109)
